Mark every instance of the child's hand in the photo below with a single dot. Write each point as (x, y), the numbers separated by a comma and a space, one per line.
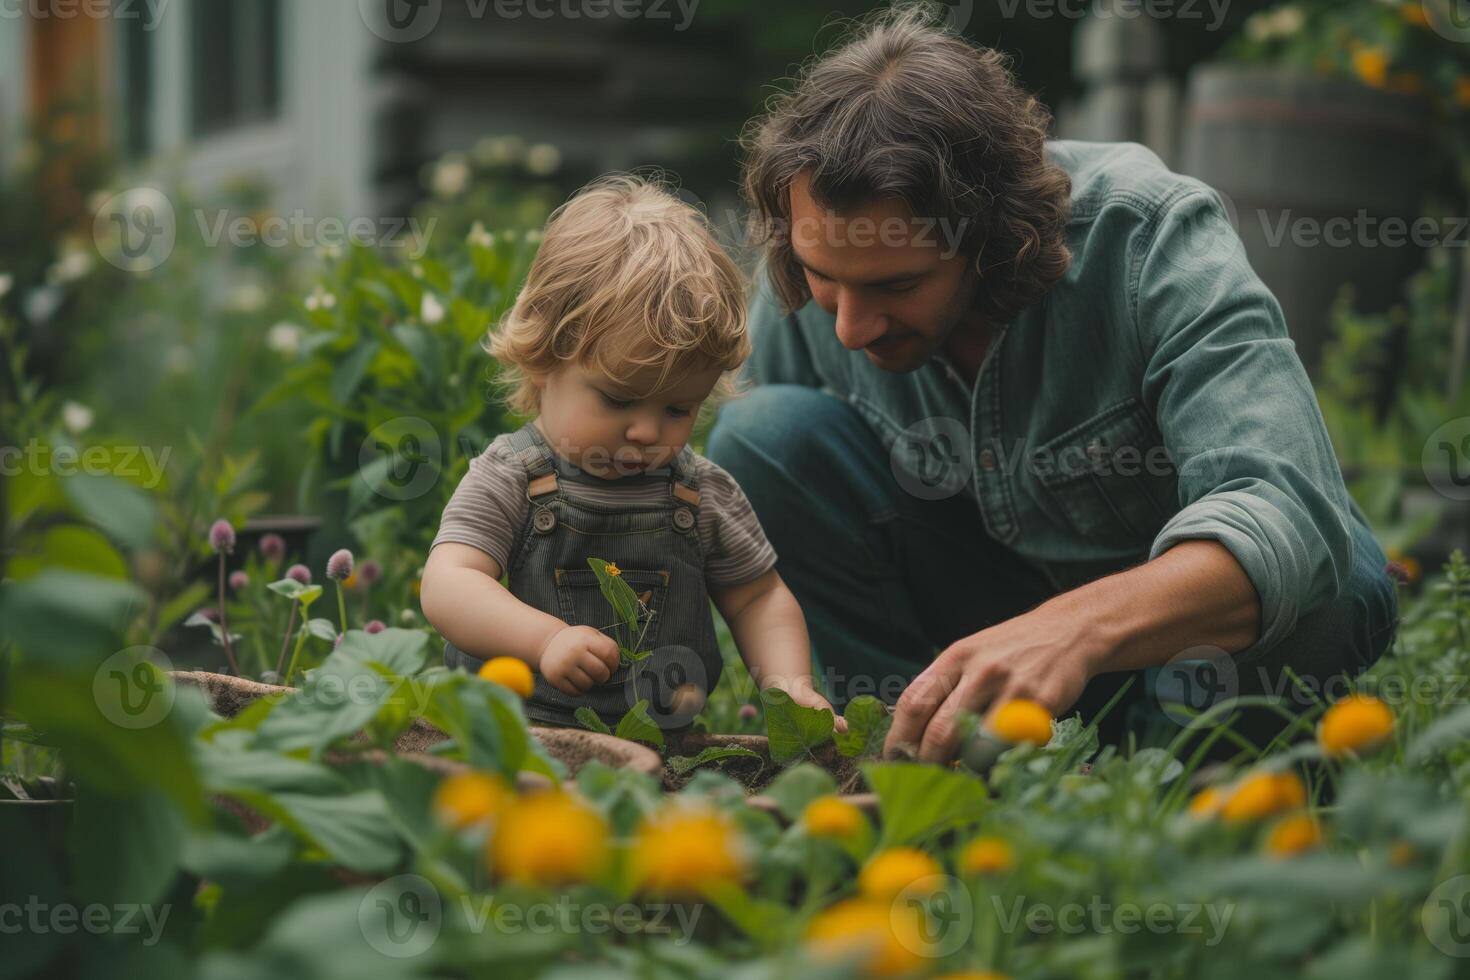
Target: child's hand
(804, 694)
(578, 657)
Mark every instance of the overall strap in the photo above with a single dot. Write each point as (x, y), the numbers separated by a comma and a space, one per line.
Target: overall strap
(533, 453)
(684, 478)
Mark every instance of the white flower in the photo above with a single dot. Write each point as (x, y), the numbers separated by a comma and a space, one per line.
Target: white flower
(450, 177)
(1289, 21)
(533, 235)
(479, 237)
(320, 299)
(408, 617)
(42, 303)
(179, 359)
(76, 417)
(416, 270)
(543, 159)
(330, 252)
(6, 281)
(497, 150)
(73, 265)
(284, 338)
(248, 298)
(431, 311)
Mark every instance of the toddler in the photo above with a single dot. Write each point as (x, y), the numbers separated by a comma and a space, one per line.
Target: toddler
(631, 316)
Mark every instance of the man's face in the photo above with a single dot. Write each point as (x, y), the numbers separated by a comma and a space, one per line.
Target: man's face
(897, 291)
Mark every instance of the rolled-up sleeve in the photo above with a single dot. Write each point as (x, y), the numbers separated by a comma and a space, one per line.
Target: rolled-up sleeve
(1238, 415)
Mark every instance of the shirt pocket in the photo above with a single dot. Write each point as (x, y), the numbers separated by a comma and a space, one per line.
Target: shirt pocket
(580, 602)
(1110, 477)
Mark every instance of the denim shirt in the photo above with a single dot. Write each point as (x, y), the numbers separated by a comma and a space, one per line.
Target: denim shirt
(1152, 396)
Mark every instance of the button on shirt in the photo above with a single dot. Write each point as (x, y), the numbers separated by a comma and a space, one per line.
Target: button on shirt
(1150, 397)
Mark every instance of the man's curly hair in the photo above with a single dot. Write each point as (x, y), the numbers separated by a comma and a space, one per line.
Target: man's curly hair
(907, 108)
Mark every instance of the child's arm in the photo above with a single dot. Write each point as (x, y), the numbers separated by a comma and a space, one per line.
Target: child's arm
(462, 597)
(770, 631)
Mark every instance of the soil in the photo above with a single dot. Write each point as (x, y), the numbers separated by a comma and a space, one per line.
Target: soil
(756, 774)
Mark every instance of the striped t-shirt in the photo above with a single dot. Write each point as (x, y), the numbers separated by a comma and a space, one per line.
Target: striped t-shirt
(489, 508)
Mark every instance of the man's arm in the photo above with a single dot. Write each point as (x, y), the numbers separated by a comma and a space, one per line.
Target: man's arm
(1262, 534)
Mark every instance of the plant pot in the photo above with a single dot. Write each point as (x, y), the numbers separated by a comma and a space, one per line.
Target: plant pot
(755, 775)
(1293, 151)
(229, 695)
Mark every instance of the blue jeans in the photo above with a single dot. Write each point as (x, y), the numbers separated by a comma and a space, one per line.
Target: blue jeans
(887, 580)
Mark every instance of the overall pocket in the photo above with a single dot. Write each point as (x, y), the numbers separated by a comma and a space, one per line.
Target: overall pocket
(580, 602)
(1110, 476)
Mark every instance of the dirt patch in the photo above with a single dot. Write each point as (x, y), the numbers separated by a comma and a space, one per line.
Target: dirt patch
(755, 773)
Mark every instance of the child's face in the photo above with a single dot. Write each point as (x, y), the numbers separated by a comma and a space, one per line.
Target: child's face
(612, 431)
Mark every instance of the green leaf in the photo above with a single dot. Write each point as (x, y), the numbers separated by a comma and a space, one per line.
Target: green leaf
(404, 652)
(590, 720)
(867, 726)
(683, 764)
(69, 546)
(322, 629)
(794, 730)
(798, 786)
(352, 829)
(122, 511)
(637, 726)
(125, 846)
(619, 594)
(288, 587)
(917, 801)
(349, 374)
(67, 617)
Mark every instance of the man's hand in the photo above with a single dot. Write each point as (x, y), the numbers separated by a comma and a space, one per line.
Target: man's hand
(1031, 656)
(578, 657)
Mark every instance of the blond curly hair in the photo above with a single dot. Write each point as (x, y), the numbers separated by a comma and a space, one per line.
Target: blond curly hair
(628, 275)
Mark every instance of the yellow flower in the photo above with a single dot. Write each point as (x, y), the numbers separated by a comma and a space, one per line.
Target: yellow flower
(549, 838)
(1413, 13)
(1358, 723)
(884, 936)
(350, 582)
(511, 672)
(1401, 854)
(1022, 721)
(613, 569)
(1462, 90)
(1207, 802)
(1294, 835)
(418, 586)
(1371, 65)
(682, 847)
(987, 856)
(1262, 795)
(889, 872)
(469, 798)
(829, 816)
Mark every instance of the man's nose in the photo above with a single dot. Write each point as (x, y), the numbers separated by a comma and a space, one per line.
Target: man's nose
(857, 326)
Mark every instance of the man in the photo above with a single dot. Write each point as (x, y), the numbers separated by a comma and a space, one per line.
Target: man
(1025, 414)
